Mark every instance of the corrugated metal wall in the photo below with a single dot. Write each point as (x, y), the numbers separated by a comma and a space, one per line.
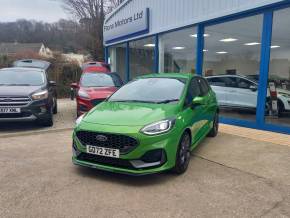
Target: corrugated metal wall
(170, 14)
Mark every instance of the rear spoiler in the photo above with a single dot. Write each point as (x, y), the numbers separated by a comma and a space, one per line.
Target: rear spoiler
(32, 63)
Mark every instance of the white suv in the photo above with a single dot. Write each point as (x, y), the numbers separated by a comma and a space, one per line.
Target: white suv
(241, 92)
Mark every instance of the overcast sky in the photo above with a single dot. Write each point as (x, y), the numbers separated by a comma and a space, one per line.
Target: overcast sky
(40, 10)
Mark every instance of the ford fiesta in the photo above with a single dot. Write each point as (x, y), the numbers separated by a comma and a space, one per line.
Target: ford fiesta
(148, 126)
(96, 84)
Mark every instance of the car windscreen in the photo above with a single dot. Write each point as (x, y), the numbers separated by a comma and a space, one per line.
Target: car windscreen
(100, 80)
(151, 90)
(21, 78)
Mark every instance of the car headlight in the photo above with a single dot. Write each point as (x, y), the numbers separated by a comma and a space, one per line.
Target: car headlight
(40, 95)
(159, 127)
(83, 94)
(79, 120)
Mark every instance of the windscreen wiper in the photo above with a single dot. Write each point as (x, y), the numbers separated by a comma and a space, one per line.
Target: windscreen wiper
(18, 85)
(167, 101)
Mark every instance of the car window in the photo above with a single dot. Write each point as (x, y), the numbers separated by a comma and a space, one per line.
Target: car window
(244, 84)
(193, 91)
(204, 86)
(230, 82)
(217, 81)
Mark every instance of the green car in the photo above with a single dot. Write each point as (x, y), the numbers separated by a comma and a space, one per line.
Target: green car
(148, 126)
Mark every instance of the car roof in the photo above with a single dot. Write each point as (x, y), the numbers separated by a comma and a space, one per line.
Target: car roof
(22, 69)
(227, 75)
(32, 63)
(169, 75)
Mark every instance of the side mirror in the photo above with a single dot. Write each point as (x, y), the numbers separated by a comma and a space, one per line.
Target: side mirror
(197, 101)
(253, 88)
(52, 83)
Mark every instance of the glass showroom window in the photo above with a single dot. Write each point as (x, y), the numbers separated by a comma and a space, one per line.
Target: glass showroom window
(278, 99)
(177, 51)
(141, 57)
(232, 65)
(117, 60)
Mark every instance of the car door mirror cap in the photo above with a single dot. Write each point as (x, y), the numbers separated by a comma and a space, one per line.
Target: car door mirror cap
(197, 101)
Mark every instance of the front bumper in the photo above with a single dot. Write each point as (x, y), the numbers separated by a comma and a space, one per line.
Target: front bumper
(119, 169)
(33, 111)
(133, 162)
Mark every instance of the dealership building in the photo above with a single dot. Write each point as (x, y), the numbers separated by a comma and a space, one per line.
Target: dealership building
(243, 45)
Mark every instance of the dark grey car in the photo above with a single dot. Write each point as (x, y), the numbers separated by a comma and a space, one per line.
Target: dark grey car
(26, 94)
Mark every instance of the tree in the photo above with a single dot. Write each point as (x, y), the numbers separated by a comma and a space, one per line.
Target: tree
(64, 36)
(91, 14)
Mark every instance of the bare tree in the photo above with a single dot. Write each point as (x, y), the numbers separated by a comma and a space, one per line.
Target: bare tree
(111, 4)
(91, 14)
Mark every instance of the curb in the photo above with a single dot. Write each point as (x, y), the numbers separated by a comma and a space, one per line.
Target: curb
(8, 135)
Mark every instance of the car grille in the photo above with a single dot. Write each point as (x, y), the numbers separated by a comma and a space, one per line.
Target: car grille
(12, 116)
(105, 161)
(6, 101)
(95, 102)
(124, 143)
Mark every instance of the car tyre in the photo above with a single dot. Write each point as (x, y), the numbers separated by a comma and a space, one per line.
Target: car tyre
(48, 122)
(280, 108)
(214, 131)
(55, 109)
(183, 154)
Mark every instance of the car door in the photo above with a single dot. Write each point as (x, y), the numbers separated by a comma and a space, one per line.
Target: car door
(230, 91)
(194, 116)
(209, 106)
(246, 93)
(218, 85)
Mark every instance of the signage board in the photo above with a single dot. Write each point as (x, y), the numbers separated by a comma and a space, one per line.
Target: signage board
(117, 29)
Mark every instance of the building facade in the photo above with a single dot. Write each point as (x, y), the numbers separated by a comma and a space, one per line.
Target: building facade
(242, 46)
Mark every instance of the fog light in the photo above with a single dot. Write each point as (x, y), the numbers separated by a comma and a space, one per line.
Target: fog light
(154, 156)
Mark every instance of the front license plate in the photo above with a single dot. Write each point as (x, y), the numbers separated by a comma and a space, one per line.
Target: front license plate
(10, 110)
(100, 151)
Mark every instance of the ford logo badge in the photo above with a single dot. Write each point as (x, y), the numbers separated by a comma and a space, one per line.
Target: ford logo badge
(7, 100)
(102, 138)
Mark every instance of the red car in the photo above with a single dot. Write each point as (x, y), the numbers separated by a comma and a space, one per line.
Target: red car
(96, 84)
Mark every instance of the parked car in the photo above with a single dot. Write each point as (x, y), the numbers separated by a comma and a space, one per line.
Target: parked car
(96, 84)
(26, 94)
(149, 125)
(235, 91)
